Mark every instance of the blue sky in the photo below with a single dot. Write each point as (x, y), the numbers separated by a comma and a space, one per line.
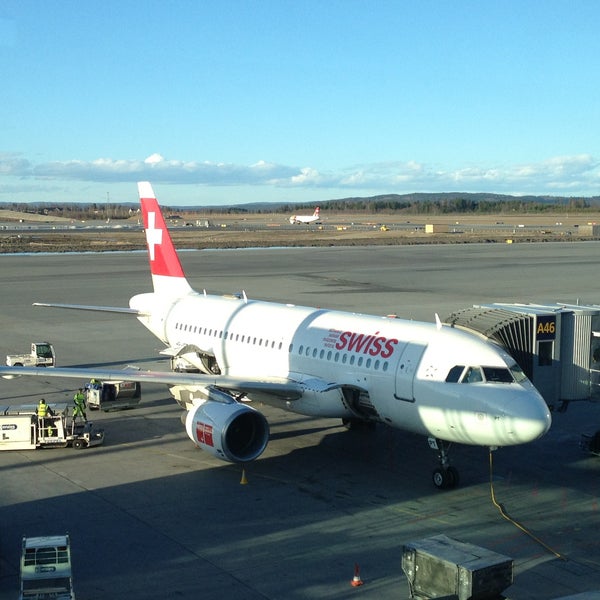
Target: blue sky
(230, 101)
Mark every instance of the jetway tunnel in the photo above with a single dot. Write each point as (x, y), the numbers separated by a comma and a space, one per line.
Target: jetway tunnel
(556, 345)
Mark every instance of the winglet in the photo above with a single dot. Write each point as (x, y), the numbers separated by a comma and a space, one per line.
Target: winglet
(438, 321)
(167, 273)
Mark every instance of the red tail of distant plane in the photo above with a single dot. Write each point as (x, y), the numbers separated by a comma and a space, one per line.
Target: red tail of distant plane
(167, 273)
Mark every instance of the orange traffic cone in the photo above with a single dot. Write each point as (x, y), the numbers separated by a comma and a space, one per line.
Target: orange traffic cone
(356, 580)
(244, 481)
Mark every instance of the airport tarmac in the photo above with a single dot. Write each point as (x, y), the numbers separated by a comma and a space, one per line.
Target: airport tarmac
(151, 517)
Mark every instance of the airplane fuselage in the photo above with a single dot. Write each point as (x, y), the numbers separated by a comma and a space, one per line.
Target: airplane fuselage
(375, 368)
(296, 220)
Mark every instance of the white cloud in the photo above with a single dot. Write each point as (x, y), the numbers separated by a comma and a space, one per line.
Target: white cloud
(154, 159)
(13, 165)
(307, 176)
(577, 174)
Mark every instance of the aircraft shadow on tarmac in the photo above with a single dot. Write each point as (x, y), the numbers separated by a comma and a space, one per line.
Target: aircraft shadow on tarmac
(318, 509)
(318, 500)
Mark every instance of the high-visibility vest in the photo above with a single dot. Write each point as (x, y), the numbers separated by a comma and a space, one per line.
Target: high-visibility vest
(42, 409)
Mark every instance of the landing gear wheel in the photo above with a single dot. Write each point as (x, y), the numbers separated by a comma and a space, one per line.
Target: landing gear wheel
(453, 472)
(445, 478)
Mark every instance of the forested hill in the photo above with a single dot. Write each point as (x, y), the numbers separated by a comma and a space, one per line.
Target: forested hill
(438, 203)
(409, 204)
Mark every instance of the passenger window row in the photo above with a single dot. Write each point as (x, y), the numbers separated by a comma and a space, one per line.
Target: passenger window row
(229, 335)
(348, 358)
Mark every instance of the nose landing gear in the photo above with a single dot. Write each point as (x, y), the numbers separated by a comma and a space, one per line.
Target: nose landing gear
(445, 477)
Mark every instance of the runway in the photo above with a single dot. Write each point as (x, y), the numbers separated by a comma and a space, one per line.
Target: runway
(151, 517)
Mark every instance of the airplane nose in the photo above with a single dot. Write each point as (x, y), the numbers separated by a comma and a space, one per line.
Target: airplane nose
(531, 420)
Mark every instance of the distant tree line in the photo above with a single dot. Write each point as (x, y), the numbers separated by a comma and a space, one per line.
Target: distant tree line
(75, 211)
(409, 204)
(449, 206)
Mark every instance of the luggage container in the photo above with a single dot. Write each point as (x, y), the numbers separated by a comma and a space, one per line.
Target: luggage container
(442, 567)
(113, 395)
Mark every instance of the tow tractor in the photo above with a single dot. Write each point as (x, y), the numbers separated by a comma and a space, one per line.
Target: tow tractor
(42, 355)
(22, 429)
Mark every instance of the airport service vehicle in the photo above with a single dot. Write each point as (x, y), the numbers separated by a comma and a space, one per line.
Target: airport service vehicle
(447, 384)
(46, 568)
(112, 395)
(42, 355)
(22, 429)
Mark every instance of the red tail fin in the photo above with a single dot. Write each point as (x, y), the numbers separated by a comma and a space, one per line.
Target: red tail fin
(166, 269)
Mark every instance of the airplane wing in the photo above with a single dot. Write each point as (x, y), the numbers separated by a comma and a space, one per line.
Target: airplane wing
(276, 388)
(110, 309)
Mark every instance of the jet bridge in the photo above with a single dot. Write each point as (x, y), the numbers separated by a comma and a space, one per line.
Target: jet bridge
(556, 345)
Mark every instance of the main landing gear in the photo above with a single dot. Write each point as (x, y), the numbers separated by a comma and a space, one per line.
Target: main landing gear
(445, 477)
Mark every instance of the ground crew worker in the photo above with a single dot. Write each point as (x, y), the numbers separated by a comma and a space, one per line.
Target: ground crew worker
(79, 408)
(43, 411)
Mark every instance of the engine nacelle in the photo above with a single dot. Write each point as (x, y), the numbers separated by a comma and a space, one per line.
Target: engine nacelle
(233, 432)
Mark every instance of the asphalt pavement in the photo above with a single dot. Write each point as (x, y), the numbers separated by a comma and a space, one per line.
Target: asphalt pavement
(150, 516)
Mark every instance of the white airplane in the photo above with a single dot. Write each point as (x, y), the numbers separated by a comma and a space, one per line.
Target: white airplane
(229, 351)
(306, 219)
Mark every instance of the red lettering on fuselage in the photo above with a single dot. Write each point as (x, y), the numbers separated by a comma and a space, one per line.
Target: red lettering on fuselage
(373, 345)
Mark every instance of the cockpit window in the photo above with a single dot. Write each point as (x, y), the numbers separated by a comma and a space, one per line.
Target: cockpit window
(497, 375)
(455, 373)
(485, 374)
(517, 373)
(472, 375)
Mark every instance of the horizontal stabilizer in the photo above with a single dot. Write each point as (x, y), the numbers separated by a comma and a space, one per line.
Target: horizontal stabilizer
(109, 309)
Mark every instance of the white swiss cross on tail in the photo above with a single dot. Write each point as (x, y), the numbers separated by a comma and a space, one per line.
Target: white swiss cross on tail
(153, 235)
(167, 274)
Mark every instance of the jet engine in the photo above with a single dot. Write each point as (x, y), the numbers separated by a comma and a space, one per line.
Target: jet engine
(230, 431)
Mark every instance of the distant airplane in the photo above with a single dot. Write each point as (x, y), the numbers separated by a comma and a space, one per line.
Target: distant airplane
(306, 219)
(229, 351)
